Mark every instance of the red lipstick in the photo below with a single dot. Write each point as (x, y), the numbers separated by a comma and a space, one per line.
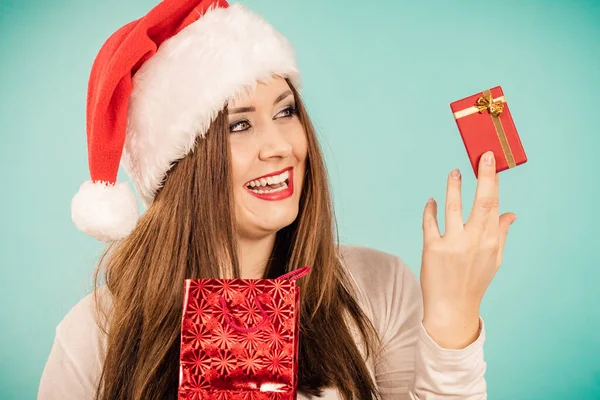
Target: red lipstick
(282, 194)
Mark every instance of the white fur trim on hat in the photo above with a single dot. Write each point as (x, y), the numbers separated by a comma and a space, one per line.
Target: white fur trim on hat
(179, 91)
(103, 211)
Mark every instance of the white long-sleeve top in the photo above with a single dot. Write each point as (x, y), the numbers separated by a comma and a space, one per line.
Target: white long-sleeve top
(412, 367)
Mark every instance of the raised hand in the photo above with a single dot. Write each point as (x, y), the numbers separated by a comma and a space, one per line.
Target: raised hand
(458, 266)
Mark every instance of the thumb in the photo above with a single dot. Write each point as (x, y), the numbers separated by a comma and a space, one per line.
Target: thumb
(506, 220)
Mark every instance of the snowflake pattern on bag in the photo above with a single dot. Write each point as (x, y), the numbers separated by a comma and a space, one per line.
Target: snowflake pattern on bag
(219, 361)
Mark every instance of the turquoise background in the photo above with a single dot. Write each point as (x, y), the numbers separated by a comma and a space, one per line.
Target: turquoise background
(379, 77)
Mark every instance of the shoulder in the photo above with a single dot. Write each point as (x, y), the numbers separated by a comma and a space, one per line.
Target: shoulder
(360, 255)
(84, 314)
(80, 332)
(388, 290)
(75, 361)
(374, 269)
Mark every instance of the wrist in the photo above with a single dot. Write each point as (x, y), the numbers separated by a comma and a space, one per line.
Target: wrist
(451, 329)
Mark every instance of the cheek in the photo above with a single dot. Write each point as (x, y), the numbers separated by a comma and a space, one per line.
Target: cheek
(241, 161)
(300, 146)
(300, 150)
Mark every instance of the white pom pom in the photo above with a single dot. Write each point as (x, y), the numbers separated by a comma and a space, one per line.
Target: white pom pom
(105, 212)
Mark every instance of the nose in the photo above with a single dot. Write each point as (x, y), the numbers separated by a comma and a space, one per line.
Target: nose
(275, 143)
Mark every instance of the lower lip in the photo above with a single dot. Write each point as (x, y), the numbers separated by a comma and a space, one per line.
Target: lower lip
(276, 196)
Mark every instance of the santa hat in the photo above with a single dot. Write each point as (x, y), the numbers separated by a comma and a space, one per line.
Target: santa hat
(155, 86)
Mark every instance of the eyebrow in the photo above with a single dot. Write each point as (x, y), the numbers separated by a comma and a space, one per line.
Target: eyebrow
(282, 96)
(252, 109)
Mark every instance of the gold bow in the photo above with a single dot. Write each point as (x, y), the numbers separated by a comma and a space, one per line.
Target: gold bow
(486, 102)
(495, 107)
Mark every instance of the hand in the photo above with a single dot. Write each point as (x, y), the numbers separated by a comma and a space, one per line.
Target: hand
(458, 267)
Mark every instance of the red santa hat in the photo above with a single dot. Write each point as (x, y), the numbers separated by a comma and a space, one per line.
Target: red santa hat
(156, 85)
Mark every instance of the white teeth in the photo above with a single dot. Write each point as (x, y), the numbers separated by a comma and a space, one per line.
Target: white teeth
(281, 178)
(279, 189)
(271, 180)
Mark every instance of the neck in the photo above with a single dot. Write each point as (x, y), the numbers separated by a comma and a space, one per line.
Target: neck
(253, 255)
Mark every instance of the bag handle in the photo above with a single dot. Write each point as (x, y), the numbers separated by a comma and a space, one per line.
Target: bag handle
(292, 275)
(298, 273)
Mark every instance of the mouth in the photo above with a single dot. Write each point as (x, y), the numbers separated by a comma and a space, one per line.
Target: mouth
(275, 186)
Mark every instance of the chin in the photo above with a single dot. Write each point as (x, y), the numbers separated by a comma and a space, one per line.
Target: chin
(276, 224)
(257, 228)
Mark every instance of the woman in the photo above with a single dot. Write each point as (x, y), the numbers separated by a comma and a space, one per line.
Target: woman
(202, 100)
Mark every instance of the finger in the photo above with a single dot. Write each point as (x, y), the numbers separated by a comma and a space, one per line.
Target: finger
(454, 218)
(431, 230)
(485, 201)
(492, 225)
(506, 220)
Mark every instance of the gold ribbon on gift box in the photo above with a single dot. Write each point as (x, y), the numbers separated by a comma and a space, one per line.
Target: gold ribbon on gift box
(495, 107)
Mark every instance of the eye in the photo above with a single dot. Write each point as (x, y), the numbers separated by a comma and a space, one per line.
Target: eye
(239, 126)
(287, 112)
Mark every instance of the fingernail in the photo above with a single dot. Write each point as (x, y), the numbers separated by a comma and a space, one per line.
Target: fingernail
(488, 158)
(455, 173)
(430, 200)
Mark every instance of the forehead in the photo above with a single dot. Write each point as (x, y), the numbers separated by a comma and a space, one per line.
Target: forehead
(264, 92)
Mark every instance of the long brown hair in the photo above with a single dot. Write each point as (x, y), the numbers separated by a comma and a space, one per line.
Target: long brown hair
(189, 232)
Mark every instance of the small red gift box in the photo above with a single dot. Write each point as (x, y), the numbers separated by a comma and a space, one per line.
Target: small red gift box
(239, 338)
(485, 123)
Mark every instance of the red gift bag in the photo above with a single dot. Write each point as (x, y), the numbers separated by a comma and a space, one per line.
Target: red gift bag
(239, 338)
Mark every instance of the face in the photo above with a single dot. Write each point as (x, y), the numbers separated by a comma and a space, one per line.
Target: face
(268, 158)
